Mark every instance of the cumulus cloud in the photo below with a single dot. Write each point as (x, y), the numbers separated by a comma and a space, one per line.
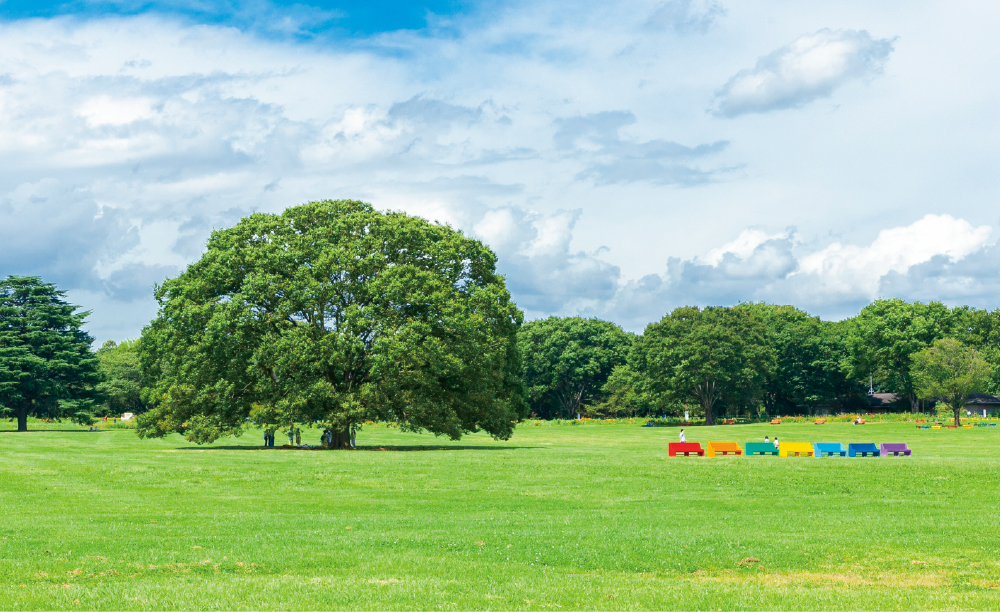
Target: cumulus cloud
(853, 268)
(936, 257)
(811, 67)
(545, 274)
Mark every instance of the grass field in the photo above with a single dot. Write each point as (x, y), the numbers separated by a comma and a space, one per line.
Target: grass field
(591, 516)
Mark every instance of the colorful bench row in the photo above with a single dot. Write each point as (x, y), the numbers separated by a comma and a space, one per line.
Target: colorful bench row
(817, 449)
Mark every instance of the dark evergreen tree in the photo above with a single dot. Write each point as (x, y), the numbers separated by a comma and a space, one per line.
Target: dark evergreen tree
(46, 367)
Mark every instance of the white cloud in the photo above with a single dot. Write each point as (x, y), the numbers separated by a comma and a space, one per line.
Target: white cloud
(742, 247)
(833, 281)
(105, 110)
(549, 133)
(811, 67)
(859, 269)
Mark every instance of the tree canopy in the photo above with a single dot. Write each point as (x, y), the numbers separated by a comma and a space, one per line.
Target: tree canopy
(808, 355)
(886, 333)
(566, 362)
(707, 356)
(46, 367)
(334, 313)
(948, 370)
(121, 377)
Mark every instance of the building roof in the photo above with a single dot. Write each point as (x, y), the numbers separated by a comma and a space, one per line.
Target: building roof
(882, 399)
(984, 399)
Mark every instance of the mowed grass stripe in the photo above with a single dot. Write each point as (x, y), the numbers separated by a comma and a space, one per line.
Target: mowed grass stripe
(590, 516)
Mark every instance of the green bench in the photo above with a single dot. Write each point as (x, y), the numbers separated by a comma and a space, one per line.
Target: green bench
(760, 448)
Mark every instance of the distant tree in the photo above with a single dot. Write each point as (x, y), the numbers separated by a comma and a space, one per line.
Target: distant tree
(334, 313)
(628, 393)
(46, 367)
(121, 377)
(566, 361)
(709, 356)
(884, 336)
(948, 370)
(980, 329)
(808, 355)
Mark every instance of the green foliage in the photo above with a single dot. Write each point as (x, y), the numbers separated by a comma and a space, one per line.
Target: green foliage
(808, 355)
(334, 313)
(884, 336)
(46, 367)
(950, 371)
(566, 362)
(121, 378)
(711, 356)
(628, 394)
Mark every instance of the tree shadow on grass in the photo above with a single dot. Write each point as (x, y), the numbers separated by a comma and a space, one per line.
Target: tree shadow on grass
(3, 431)
(359, 448)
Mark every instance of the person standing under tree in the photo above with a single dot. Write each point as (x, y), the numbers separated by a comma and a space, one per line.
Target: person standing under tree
(298, 437)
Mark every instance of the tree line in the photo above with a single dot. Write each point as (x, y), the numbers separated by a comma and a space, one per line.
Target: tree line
(760, 359)
(332, 313)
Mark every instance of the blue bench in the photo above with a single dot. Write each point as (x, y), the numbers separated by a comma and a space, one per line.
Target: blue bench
(866, 448)
(829, 449)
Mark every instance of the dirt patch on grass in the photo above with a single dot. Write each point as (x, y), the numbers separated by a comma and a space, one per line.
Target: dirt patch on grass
(830, 579)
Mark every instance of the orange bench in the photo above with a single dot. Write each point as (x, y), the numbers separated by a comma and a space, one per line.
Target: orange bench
(775, 421)
(820, 422)
(723, 448)
(686, 448)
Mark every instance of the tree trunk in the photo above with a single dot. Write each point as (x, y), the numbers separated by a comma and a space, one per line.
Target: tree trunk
(342, 440)
(914, 403)
(708, 400)
(958, 421)
(22, 417)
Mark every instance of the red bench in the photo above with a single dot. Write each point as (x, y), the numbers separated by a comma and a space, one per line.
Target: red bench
(686, 448)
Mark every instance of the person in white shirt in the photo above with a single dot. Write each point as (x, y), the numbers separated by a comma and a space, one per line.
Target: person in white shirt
(775, 442)
(766, 440)
(683, 439)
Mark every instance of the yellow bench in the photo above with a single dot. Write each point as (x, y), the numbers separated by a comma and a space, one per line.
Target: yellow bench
(795, 448)
(935, 427)
(723, 448)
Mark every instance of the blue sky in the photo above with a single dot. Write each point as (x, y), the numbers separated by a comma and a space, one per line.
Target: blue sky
(622, 159)
(350, 19)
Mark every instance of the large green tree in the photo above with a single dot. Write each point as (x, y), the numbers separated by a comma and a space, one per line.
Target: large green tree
(711, 356)
(121, 377)
(949, 371)
(567, 360)
(46, 366)
(334, 313)
(808, 355)
(886, 333)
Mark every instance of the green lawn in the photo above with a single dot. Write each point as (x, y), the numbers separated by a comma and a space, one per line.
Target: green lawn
(594, 516)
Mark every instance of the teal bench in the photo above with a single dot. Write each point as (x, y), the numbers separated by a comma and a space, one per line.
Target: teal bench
(760, 448)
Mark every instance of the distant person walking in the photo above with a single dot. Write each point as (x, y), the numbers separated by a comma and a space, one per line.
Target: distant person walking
(298, 437)
(683, 437)
(775, 442)
(291, 436)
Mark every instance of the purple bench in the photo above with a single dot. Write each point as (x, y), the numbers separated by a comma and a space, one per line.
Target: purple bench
(895, 448)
